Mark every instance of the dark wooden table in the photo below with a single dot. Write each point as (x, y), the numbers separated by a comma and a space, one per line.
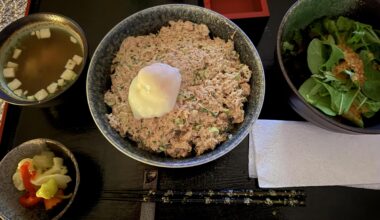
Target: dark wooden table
(105, 170)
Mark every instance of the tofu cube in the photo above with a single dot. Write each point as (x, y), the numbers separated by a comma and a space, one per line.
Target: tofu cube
(16, 53)
(70, 64)
(72, 39)
(45, 33)
(61, 82)
(52, 88)
(9, 72)
(18, 92)
(68, 75)
(33, 33)
(15, 84)
(77, 59)
(38, 34)
(30, 97)
(12, 64)
(41, 95)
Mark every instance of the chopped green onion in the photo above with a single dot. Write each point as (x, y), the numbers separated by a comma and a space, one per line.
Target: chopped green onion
(179, 121)
(214, 130)
(162, 147)
(203, 109)
(214, 113)
(226, 110)
(197, 127)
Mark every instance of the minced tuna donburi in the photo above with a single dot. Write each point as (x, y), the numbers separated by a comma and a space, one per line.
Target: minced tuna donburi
(214, 87)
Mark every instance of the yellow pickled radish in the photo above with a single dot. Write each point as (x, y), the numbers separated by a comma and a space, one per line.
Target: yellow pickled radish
(48, 189)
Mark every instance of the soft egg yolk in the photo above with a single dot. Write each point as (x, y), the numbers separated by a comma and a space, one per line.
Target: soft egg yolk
(153, 92)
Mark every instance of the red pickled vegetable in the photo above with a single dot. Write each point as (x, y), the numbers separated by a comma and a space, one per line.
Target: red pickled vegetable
(50, 203)
(26, 177)
(29, 200)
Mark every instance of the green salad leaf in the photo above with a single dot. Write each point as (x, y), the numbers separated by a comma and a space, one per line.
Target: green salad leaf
(331, 27)
(316, 94)
(345, 25)
(315, 30)
(371, 86)
(370, 108)
(341, 93)
(341, 101)
(375, 49)
(372, 89)
(316, 55)
(336, 55)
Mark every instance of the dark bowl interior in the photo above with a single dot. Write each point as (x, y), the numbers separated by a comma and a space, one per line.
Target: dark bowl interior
(9, 205)
(150, 21)
(300, 15)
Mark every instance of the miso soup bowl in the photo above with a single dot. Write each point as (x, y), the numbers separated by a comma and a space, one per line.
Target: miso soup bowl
(29, 23)
(299, 16)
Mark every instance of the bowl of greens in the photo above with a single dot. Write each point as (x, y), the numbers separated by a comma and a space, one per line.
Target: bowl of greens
(329, 53)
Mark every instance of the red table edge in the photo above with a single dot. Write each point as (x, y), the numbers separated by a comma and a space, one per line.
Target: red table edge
(27, 7)
(263, 13)
(3, 116)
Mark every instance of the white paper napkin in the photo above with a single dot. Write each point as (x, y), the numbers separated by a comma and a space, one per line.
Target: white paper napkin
(294, 154)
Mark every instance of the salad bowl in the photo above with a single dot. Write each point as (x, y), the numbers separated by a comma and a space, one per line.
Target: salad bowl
(298, 18)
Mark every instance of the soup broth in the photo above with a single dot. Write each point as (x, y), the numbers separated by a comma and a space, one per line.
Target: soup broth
(41, 57)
